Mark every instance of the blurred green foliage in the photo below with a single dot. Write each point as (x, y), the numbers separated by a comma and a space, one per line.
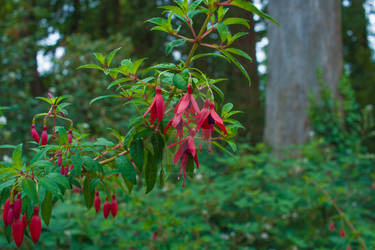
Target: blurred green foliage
(249, 201)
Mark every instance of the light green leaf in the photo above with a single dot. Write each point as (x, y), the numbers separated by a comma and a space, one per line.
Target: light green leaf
(111, 55)
(90, 66)
(103, 97)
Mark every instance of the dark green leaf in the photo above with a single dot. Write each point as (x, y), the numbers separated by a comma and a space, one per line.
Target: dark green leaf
(150, 171)
(29, 188)
(47, 207)
(247, 5)
(111, 55)
(173, 44)
(179, 82)
(87, 194)
(17, 156)
(137, 153)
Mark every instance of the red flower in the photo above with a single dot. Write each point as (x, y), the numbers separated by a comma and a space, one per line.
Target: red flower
(331, 226)
(5, 211)
(348, 247)
(342, 233)
(17, 207)
(207, 119)
(157, 108)
(186, 150)
(44, 138)
(34, 134)
(97, 202)
(106, 208)
(35, 226)
(178, 123)
(70, 136)
(18, 232)
(187, 103)
(114, 206)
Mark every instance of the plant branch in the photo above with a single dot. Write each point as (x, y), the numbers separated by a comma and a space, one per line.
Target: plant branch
(341, 213)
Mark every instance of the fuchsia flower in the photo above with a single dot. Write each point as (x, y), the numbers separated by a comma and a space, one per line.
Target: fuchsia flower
(187, 103)
(207, 119)
(186, 150)
(70, 136)
(178, 123)
(34, 134)
(157, 108)
(44, 138)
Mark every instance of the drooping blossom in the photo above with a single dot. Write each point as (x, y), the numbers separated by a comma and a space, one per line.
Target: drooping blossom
(187, 103)
(44, 138)
(34, 134)
(106, 208)
(186, 150)
(114, 206)
(18, 231)
(70, 136)
(35, 226)
(178, 123)
(97, 202)
(5, 211)
(207, 119)
(156, 108)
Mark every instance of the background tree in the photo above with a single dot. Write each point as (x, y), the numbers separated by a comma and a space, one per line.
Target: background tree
(309, 38)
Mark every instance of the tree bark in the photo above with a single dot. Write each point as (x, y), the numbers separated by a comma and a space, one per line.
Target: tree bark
(308, 39)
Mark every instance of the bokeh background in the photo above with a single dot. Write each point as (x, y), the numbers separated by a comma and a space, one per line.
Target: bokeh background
(268, 194)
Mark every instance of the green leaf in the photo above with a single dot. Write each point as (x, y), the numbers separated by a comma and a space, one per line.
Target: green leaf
(111, 55)
(7, 184)
(150, 171)
(59, 179)
(29, 188)
(236, 36)
(7, 146)
(238, 64)
(100, 58)
(239, 52)
(226, 108)
(103, 142)
(209, 54)
(126, 168)
(93, 183)
(137, 153)
(17, 156)
(223, 31)
(77, 163)
(90, 66)
(87, 194)
(103, 97)
(179, 82)
(91, 164)
(218, 91)
(136, 65)
(50, 185)
(47, 207)
(158, 146)
(247, 5)
(237, 20)
(118, 81)
(173, 44)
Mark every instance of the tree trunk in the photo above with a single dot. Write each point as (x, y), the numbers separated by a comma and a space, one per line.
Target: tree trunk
(308, 39)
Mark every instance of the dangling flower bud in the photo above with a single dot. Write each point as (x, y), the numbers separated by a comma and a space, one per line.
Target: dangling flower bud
(10, 215)
(59, 160)
(348, 247)
(44, 138)
(97, 202)
(17, 207)
(187, 103)
(5, 211)
(331, 226)
(18, 232)
(157, 108)
(342, 233)
(106, 208)
(24, 221)
(62, 170)
(185, 152)
(34, 134)
(70, 136)
(35, 225)
(114, 206)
